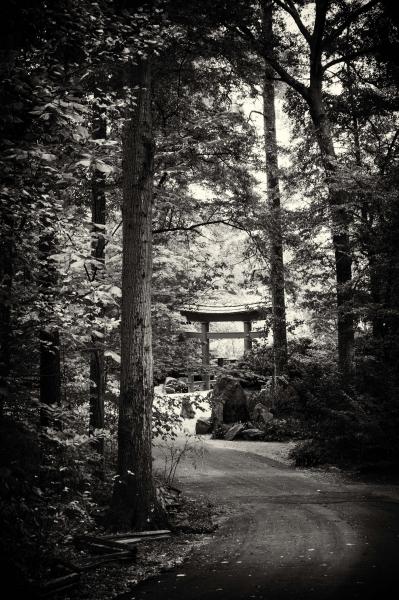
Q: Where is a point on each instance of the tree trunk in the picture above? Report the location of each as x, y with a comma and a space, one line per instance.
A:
98, 212
50, 373
6, 275
338, 202
49, 339
274, 200
134, 501
376, 281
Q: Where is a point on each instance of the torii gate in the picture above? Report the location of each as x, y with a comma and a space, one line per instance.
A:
208, 314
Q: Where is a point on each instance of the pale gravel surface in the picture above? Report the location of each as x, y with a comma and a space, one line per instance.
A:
278, 451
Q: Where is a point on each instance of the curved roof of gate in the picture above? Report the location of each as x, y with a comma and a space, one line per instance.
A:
238, 312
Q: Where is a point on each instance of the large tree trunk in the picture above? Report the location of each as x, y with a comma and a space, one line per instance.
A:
98, 215
274, 200
49, 338
338, 202
134, 501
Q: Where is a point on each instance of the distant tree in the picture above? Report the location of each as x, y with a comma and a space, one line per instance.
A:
98, 214
319, 51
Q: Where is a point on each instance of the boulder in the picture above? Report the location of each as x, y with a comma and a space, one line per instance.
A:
234, 431
260, 414
203, 426
187, 409
263, 397
229, 402
252, 434
277, 394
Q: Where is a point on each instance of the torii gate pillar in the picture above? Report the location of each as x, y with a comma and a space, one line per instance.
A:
205, 354
247, 338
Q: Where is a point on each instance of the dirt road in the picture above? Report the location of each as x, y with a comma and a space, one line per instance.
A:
291, 534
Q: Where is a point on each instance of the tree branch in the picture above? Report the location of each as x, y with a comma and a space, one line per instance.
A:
259, 48
349, 20
390, 151
291, 9
348, 57
197, 225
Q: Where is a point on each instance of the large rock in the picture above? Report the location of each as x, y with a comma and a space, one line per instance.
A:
260, 414
252, 434
263, 397
229, 402
203, 426
187, 409
277, 396
234, 431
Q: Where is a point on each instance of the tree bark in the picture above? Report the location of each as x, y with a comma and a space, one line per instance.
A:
6, 276
50, 373
338, 202
338, 196
376, 281
274, 200
98, 215
134, 501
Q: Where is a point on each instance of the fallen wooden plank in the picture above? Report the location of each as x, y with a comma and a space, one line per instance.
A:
100, 541
87, 565
137, 540
53, 586
149, 533
139, 534
121, 541
104, 546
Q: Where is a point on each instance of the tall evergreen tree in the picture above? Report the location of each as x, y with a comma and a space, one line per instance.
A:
134, 502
